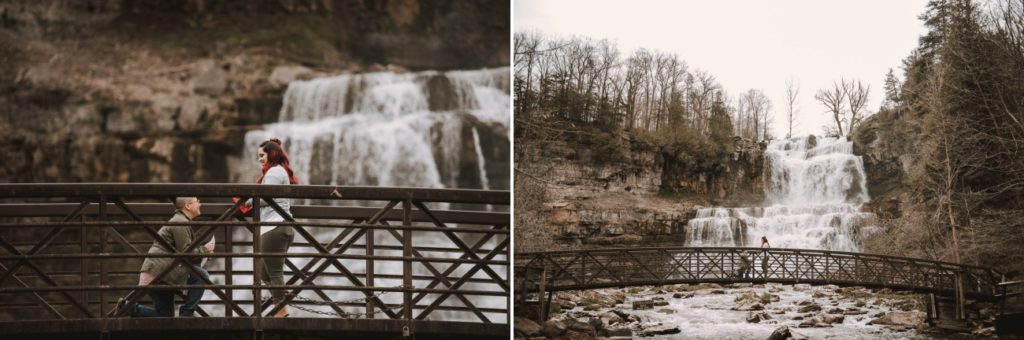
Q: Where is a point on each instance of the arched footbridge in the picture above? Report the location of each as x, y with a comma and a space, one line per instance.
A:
621, 267
951, 286
366, 262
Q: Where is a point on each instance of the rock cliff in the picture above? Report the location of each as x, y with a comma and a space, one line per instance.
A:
563, 193
164, 91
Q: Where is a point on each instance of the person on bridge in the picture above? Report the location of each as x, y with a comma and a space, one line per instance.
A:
276, 170
180, 237
745, 265
764, 255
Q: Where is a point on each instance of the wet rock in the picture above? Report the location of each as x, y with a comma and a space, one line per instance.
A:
835, 311
809, 308
748, 305
660, 330
526, 327
618, 332
667, 311
553, 328
581, 327
986, 331
822, 320
567, 305
854, 311
818, 295
755, 317
717, 291
784, 333
682, 296
900, 319
610, 318
661, 303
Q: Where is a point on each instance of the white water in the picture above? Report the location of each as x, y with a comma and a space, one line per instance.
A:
710, 316
379, 129
815, 188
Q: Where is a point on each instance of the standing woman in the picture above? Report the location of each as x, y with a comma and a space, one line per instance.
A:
764, 257
276, 170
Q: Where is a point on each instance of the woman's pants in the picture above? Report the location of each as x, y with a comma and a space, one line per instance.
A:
275, 241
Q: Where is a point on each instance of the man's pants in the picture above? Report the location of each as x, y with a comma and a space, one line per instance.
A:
163, 300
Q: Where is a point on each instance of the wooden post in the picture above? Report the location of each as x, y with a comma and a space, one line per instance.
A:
407, 263
369, 270
540, 298
103, 250
960, 300
257, 263
547, 304
228, 270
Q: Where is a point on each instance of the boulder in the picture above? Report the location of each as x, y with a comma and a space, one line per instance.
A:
619, 332
208, 78
900, 319
748, 305
282, 75
809, 308
581, 327
610, 318
667, 311
755, 317
784, 333
553, 328
526, 327
660, 330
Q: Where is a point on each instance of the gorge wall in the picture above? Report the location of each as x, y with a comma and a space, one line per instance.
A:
164, 91
563, 192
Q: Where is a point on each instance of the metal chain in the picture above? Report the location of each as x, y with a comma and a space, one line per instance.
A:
338, 303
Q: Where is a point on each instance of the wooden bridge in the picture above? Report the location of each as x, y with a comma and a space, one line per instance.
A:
366, 261
541, 272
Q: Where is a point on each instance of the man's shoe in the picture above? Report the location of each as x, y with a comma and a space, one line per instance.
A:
118, 307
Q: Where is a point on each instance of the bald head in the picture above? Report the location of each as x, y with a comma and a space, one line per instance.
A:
181, 202
188, 205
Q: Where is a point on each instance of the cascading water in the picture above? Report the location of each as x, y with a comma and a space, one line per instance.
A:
422, 129
816, 187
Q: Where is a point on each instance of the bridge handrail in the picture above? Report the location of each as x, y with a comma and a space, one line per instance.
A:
94, 208
521, 255
610, 267
337, 192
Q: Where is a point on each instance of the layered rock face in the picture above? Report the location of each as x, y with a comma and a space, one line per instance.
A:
621, 202
165, 91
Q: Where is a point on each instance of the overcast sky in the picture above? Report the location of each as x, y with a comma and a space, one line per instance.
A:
751, 44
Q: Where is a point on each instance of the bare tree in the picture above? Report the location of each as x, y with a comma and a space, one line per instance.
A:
833, 100
857, 98
792, 91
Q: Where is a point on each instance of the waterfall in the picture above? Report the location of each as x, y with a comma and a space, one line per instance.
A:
480, 156
423, 129
386, 129
815, 188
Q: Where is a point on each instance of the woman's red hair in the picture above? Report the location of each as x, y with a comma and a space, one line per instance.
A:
276, 156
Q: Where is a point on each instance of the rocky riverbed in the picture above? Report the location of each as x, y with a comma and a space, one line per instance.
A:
736, 311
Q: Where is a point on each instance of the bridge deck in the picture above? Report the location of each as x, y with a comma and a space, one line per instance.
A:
245, 328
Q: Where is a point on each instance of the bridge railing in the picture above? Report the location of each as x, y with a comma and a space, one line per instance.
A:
583, 269
71, 250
